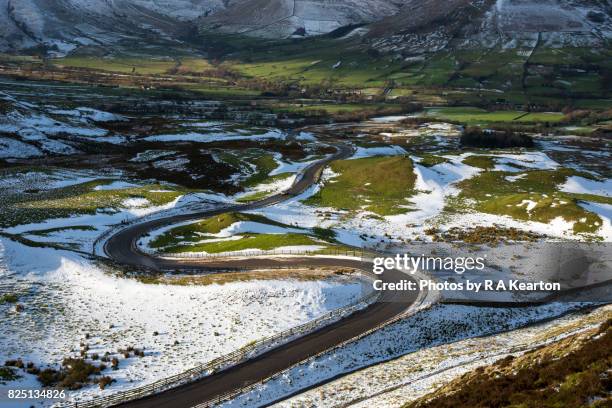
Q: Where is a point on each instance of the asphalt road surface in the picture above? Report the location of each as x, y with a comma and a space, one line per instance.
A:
122, 248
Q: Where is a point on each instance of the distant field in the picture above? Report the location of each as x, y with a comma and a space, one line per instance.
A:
320, 66
122, 65
474, 116
551, 77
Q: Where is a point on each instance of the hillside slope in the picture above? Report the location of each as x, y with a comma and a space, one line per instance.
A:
62, 25
573, 372
424, 26
284, 18
400, 26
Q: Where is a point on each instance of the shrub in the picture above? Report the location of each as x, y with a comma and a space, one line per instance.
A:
48, 377
9, 298
32, 369
325, 234
104, 381
14, 363
7, 374
73, 374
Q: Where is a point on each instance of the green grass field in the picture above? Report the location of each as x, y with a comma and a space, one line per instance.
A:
263, 190
381, 185
126, 65
481, 162
477, 116
242, 68
264, 166
255, 164
198, 230
264, 242
430, 160
193, 237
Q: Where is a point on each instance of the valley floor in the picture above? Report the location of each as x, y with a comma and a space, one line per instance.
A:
72, 173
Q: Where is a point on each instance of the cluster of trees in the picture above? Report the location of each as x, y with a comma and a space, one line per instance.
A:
477, 137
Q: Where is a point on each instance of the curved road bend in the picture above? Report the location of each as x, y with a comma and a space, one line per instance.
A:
122, 248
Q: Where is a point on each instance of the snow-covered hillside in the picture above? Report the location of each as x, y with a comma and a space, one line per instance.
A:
421, 25
283, 18
63, 25
403, 25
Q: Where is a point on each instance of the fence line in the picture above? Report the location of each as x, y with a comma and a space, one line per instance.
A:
354, 253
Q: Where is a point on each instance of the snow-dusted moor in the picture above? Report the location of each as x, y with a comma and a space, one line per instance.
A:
305, 204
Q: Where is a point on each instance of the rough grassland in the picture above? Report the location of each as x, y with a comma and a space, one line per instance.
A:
37, 206
381, 185
256, 163
481, 162
246, 276
532, 198
198, 237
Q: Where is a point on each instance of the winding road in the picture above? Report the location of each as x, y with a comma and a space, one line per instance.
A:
122, 248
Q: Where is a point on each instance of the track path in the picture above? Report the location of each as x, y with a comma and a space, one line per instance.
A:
122, 248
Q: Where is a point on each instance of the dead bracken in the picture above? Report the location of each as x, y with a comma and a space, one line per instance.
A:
483, 235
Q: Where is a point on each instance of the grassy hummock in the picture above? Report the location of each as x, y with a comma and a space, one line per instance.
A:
533, 197
209, 226
200, 236
381, 185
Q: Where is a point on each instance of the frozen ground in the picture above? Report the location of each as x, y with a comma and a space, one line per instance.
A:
441, 324
68, 300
